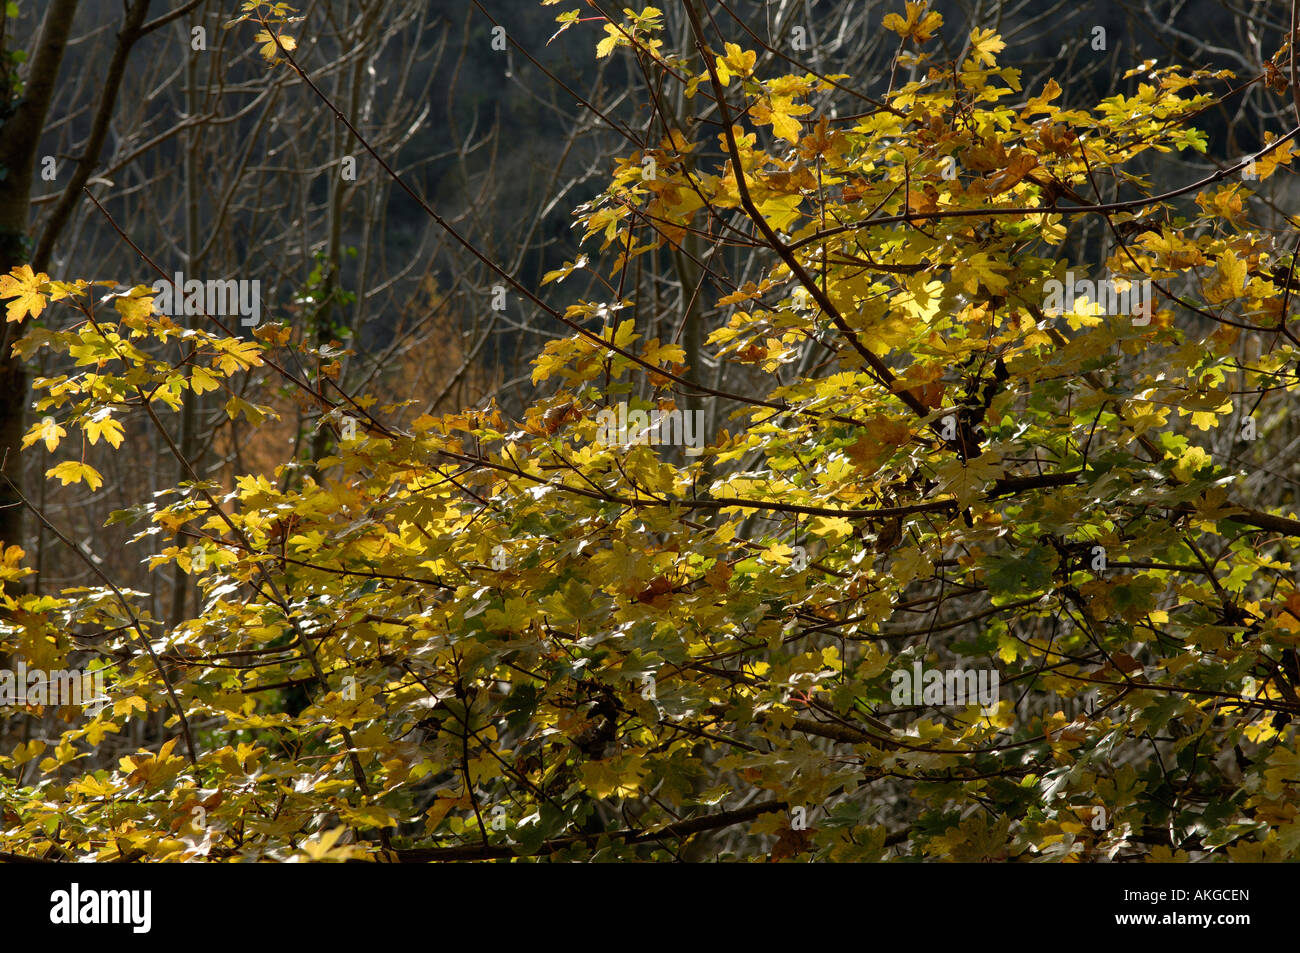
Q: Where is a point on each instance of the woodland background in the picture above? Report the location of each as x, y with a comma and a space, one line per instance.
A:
207, 153
218, 167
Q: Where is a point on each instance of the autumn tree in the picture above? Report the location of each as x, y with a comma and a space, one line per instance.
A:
976, 566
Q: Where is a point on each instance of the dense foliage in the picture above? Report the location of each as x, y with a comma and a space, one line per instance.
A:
474, 636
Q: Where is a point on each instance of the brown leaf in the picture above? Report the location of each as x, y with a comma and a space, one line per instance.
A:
1126, 663
557, 416
923, 200
657, 586
890, 535
791, 842
1057, 137
718, 575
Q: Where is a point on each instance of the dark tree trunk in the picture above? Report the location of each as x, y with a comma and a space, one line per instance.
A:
19, 138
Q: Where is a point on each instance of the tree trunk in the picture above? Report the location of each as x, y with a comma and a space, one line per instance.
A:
19, 137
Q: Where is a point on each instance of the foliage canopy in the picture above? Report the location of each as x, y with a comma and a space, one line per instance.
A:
516, 639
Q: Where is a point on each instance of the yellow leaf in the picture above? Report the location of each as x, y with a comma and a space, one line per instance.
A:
103, 425
1190, 462
1208, 419
782, 211
965, 480
125, 706
919, 25
780, 112
1266, 165
47, 430
25, 288
134, 308
93, 787
203, 380
740, 61
786, 126
71, 471
269, 49
608, 44
1039, 103
26, 752
737, 62
325, 847
831, 527
1229, 279
984, 44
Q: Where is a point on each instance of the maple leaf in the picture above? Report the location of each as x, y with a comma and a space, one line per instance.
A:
203, 380
48, 430
1229, 279
73, 471
613, 39
984, 47
1192, 460
102, 424
270, 51
24, 288
919, 25
965, 479
874, 445
1268, 163
134, 307
737, 62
